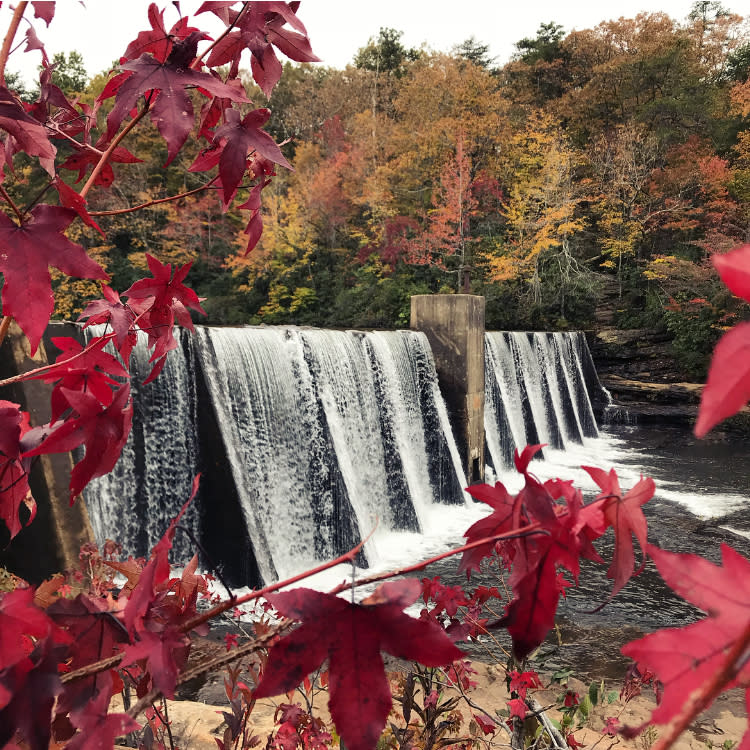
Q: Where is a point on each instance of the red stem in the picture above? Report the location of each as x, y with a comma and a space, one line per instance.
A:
155, 201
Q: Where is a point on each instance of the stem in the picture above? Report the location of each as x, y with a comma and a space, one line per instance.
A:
110, 149
701, 698
9, 201
523, 531
154, 202
9, 36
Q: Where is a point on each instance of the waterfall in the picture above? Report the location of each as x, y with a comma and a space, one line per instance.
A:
307, 439
135, 502
537, 390
310, 440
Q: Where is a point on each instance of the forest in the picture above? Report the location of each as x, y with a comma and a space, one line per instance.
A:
601, 166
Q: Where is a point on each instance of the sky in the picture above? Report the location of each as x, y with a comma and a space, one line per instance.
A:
338, 28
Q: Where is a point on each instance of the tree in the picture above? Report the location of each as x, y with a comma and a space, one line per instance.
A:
542, 212
69, 73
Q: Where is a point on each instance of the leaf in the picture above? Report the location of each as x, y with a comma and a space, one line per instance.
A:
257, 29
734, 269
80, 369
683, 659
168, 299
351, 636
88, 156
98, 728
243, 136
624, 515
111, 310
728, 386
70, 199
172, 110
14, 479
30, 649
30, 135
103, 432
44, 9
26, 251
157, 40
95, 631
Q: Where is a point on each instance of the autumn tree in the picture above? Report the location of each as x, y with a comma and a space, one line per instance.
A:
543, 214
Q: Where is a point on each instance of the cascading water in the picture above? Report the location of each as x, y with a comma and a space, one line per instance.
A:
536, 391
135, 502
323, 436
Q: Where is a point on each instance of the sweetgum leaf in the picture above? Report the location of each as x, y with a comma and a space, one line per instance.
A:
243, 136
26, 251
734, 269
172, 110
103, 432
14, 479
98, 728
623, 513
30, 135
728, 386
685, 658
352, 636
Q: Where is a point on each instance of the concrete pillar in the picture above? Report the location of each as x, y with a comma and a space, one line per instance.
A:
52, 541
454, 326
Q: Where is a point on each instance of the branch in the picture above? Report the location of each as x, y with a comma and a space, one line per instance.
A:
32, 374
9, 36
10, 202
215, 663
147, 204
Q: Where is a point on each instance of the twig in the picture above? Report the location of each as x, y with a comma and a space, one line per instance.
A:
155, 201
554, 734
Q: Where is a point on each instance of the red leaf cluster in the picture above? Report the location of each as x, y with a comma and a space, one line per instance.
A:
351, 637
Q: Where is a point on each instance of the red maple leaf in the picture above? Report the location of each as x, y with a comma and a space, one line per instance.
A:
30, 650
728, 386
171, 107
94, 631
103, 432
70, 199
683, 659
157, 40
76, 368
26, 252
44, 9
623, 513
351, 636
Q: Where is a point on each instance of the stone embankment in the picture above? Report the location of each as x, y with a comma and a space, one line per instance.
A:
636, 367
